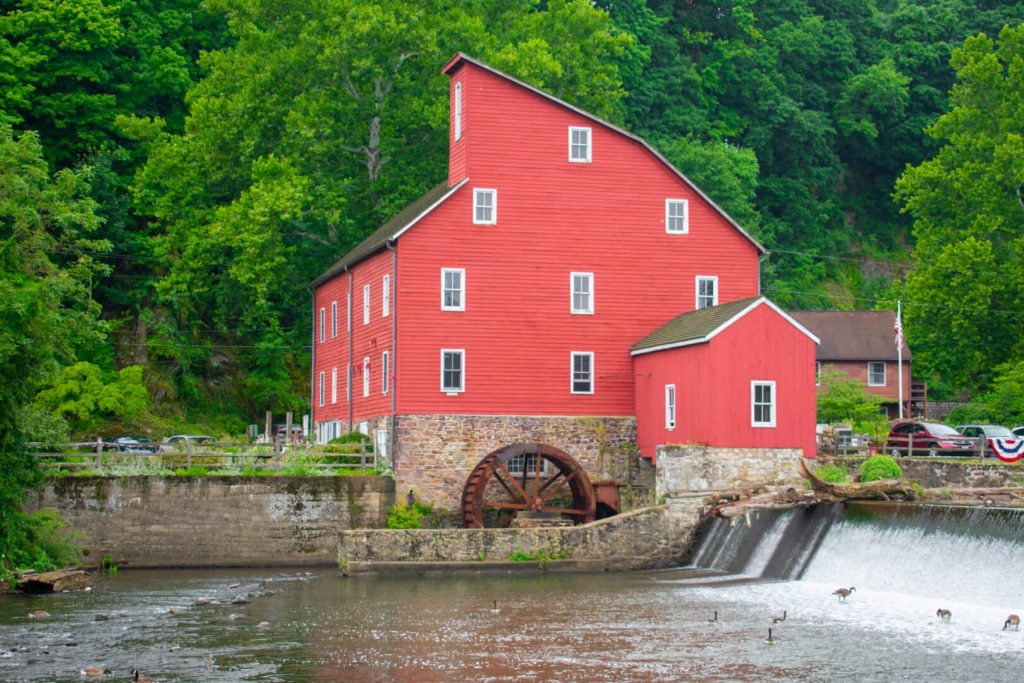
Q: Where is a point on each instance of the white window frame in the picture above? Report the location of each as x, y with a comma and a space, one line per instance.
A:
334, 385
366, 376
323, 324
385, 306
573, 146
462, 372
572, 371
589, 308
477, 194
773, 404
321, 401
817, 373
669, 218
385, 372
366, 304
334, 319
348, 300
700, 279
458, 110
876, 384
348, 382
461, 290
517, 463
670, 406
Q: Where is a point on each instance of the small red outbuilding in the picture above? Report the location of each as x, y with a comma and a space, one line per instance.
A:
738, 375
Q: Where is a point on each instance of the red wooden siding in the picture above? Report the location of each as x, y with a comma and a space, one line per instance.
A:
858, 370
458, 149
713, 395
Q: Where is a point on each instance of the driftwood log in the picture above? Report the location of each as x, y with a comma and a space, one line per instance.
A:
54, 582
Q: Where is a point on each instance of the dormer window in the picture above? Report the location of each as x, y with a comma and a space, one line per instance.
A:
579, 145
677, 218
458, 110
485, 207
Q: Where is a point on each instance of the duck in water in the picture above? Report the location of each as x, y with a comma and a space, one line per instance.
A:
944, 614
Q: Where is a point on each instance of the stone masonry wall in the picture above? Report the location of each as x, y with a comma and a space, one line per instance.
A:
216, 521
646, 538
435, 453
704, 468
932, 473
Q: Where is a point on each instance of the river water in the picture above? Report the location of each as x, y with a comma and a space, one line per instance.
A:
645, 626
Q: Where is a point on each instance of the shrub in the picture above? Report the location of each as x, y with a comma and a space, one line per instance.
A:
404, 516
880, 467
833, 474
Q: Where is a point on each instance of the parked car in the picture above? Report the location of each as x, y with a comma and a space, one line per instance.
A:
282, 429
1019, 431
134, 444
988, 432
182, 440
927, 438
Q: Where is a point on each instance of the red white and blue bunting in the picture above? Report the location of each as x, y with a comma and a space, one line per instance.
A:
1008, 450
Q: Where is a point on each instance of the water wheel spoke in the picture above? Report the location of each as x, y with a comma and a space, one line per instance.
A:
537, 459
506, 505
562, 484
519, 492
505, 486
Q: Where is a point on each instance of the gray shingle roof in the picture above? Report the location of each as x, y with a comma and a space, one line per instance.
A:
853, 335
693, 326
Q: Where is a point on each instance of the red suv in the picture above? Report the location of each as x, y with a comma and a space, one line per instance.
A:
927, 438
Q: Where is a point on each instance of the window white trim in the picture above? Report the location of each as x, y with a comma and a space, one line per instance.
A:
323, 318
321, 388
670, 406
334, 319
870, 373
703, 280
589, 355
451, 388
385, 372
461, 305
586, 296
385, 285
817, 373
334, 385
366, 304
580, 145
348, 317
366, 376
485, 212
677, 216
771, 403
458, 110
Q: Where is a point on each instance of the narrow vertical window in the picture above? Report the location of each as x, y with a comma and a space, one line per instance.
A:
453, 370
677, 216
384, 372
817, 373
386, 292
322, 326
348, 314
582, 286
485, 207
334, 319
334, 385
579, 144
366, 304
762, 404
582, 372
458, 110
707, 292
321, 392
670, 406
876, 374
453, 289
366, 377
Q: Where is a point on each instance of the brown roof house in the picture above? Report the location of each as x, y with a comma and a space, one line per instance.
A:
862, 344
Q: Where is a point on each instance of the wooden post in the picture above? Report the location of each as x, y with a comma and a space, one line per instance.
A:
188, 453
288, 427
99, 451
266, 431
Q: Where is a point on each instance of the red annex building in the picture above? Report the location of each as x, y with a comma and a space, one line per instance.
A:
504, 305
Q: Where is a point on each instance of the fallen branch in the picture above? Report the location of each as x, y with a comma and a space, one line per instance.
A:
883, 489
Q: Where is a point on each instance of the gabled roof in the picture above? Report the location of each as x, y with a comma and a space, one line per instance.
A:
699, 327
461, 57
853, 335
392, 229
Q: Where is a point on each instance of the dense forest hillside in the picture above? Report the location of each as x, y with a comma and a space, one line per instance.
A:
176, 171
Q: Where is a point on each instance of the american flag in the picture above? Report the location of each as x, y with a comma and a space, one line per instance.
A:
899, 330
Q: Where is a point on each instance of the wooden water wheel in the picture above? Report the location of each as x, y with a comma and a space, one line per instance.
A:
529, 476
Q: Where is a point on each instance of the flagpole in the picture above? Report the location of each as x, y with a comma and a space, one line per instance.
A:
899, 356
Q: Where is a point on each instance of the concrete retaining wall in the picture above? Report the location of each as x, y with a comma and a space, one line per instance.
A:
703, 468
216, 521
934, 473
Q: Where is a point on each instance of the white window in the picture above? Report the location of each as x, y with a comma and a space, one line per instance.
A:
384, 372
485, 207
348, 382
670, 406
453, 370
386, 296
582, 287
677, 216
579, 144
876, 373
366, 377
382, 443
322, 328
762, 404
707, 291
582, 372
321, 388
458, 110
334, 385
526, 461
348, 315
817, 373
453, 289
334, 319
366, 304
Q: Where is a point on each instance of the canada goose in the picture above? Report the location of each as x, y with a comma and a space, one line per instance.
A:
141, 679
39, 614
494, 607
779, 618
843, 593
1012, 620
714, 619
94, 671
944, 614
769, 640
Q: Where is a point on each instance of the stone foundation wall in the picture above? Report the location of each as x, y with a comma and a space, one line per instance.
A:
933, 473
704, 468
646, 538
435, 453
216, 521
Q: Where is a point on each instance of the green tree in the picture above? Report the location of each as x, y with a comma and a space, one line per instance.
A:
80, 395
846, 400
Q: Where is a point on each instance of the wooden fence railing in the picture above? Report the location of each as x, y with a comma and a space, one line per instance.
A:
968, 447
